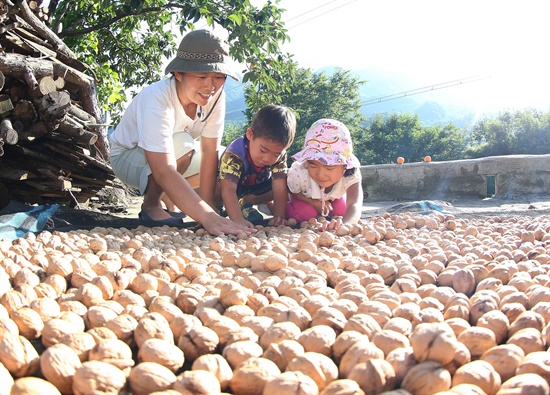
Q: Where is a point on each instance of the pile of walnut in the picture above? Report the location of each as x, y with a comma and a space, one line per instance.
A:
401, 304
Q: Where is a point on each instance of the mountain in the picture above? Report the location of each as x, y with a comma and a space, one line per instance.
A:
382, 93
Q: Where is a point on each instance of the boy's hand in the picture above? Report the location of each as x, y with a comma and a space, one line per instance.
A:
276, 221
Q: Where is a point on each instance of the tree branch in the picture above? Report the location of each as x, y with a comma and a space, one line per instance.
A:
109, 22
43, 30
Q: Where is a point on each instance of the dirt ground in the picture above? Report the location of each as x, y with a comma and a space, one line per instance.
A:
125, 214
121, 210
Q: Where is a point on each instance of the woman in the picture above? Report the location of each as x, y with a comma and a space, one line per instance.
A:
155, 147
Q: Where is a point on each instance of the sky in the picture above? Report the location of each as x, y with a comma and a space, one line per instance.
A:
502, 44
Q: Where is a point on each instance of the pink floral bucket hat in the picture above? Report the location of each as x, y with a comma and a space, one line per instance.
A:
329, 142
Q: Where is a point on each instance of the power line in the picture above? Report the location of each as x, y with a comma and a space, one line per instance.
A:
417, 91
308, 12
317, 16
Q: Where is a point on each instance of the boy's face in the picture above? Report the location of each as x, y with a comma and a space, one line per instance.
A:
263, 151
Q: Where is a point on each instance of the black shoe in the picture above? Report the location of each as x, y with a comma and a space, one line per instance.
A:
172, 221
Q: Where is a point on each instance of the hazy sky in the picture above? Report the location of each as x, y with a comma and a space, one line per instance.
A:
432, 41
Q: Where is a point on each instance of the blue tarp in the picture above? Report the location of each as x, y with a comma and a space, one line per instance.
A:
15, 225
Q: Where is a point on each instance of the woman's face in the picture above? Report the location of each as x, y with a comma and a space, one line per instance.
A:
325, 176
198, 88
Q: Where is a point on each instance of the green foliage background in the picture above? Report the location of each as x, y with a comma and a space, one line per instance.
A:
124, 43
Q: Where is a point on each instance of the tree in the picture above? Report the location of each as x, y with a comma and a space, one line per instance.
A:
403, 135
520, 132
124, 42
313, 96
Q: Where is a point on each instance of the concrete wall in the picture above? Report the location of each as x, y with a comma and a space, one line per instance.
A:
469, 178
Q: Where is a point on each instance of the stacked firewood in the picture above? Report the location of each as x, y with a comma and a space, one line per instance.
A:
53, 146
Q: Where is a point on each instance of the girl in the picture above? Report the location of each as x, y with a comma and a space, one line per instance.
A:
325, 178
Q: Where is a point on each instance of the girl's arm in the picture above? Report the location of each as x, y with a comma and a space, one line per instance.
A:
354, 204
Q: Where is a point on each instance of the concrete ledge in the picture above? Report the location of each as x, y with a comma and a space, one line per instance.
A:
469, 178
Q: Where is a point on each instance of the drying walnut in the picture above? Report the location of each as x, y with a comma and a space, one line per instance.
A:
388, 340
504, 358
525, 384
342, 387
147, 377
81, 343
319, 367
113, 351
401, 360
198, 341
152, 325
374, 376
95, 377
162, 352
318, 338
217, 365
33, 385
480, 373
537, 362
291, 383
238, 352
478, 340
529, 339
360, 351
58, 364
29, 322
427, 378
433, 341
18, 355
496, 321
279, 331
250, 377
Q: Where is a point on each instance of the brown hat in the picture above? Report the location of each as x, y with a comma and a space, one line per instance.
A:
201, 51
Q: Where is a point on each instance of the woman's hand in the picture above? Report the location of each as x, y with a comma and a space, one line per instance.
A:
216, 225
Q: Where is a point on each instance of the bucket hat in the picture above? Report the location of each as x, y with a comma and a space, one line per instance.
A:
202, 51
329, 142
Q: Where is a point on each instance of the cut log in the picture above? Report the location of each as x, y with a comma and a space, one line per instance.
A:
9, 173
31, 133
5, 105
54, 105
7, 132
24, 110
47, 85
72, 130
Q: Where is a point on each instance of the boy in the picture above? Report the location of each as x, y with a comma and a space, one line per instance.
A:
253, 167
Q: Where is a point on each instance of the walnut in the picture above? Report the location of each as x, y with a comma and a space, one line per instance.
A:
162, 352
18, 355
427, 378
251, 376
291, 383
58, 364
95, 377
480, 373
374, 376
147, 377
33, 385
217, 365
